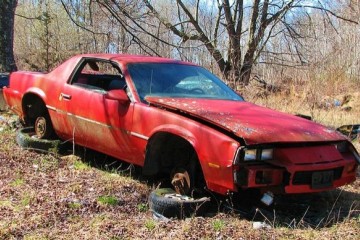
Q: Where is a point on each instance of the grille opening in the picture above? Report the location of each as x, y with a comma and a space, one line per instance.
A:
304, 178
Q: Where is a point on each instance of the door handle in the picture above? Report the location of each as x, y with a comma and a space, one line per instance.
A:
65, 96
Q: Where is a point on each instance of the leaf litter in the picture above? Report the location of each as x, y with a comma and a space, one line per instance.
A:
47, 196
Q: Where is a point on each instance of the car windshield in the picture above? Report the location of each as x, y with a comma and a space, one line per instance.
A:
178, 81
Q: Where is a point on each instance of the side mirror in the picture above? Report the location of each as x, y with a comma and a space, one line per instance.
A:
118, 94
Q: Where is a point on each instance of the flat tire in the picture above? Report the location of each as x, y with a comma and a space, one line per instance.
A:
167, 202
27, 139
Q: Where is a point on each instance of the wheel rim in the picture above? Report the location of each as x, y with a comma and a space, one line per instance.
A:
181, 181
178, 197
40, 127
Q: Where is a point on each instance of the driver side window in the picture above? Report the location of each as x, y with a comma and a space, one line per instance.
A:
99, 76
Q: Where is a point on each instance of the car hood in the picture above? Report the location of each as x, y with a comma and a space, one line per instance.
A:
255, 124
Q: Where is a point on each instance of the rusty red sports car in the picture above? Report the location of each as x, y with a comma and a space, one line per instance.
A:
176, 118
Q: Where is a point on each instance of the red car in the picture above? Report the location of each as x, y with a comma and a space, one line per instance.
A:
178, 119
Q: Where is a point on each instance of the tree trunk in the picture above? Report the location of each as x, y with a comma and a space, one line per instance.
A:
7, 15
245, 73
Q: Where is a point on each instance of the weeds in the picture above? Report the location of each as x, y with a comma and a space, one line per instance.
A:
74, 205
150, 224
108, 200
218, 225
17, 182
142, 207
79, 165
26, 200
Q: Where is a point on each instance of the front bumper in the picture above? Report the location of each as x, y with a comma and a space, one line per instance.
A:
297, 178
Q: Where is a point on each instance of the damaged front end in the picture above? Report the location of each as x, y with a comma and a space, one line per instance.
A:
297, 168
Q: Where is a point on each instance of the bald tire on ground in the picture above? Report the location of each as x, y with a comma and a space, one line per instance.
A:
162, 202
27, 139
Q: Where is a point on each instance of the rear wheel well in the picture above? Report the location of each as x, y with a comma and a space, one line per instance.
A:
33, 107
167, 152
37, 116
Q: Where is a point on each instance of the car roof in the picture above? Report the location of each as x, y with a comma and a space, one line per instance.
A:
129, 58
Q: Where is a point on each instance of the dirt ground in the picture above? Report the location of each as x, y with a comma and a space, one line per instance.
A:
92, 196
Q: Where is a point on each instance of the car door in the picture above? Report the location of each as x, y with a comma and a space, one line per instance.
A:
98, 122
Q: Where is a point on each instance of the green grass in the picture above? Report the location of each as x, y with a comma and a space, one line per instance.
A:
26, 200
218, 225
17, 182
107, 200
74, 205
142, 207
79, 165
150, 224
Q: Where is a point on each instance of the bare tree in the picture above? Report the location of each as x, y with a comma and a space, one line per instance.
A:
7, 12
45, 36
236, 37
248, 29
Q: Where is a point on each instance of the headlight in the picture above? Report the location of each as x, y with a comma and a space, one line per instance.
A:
258, 154
267, 154
342, 147
250, 154
345, 146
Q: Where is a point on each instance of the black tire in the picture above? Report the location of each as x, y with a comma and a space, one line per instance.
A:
166, 202
27, 139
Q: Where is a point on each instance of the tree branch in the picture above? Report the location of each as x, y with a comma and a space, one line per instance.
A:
203, 38
76, 23
229, 19
217, 24
167, 24
125, 27
283, 10
29, 18
326, 10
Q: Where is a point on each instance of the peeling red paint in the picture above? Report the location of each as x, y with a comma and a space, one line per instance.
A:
253, 123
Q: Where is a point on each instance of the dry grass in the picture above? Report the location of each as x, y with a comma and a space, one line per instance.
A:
48, 196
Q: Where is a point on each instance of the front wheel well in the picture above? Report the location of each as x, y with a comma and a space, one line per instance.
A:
166, 152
